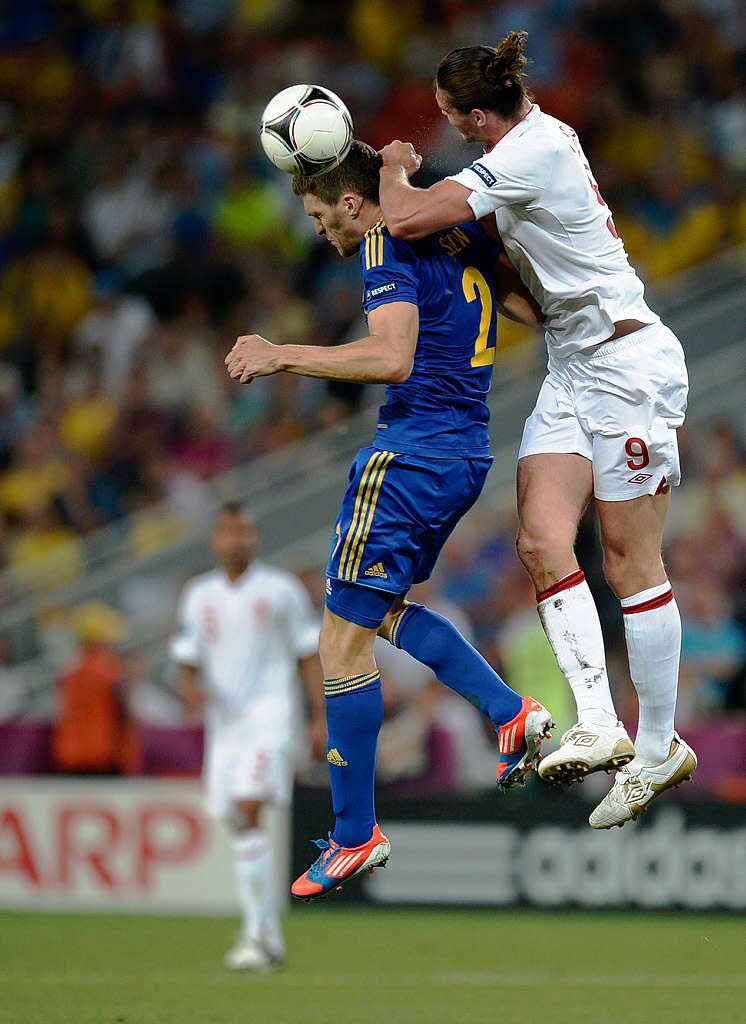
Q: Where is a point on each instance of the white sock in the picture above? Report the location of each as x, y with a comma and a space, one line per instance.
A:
570, 620
252, 858
652, 627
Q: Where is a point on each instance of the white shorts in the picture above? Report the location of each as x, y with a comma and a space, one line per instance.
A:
245, 760
618, 407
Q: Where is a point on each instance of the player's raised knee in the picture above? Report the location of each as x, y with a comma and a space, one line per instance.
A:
540, 551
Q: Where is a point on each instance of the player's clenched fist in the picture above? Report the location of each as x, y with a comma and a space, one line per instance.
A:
402, 154
251, 356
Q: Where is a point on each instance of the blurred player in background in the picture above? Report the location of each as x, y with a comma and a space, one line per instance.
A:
431, 311
244, 630
606, 417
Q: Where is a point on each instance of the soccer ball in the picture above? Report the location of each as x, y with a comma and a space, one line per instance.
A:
306, 129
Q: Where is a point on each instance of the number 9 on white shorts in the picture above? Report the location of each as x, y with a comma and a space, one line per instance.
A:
620, 407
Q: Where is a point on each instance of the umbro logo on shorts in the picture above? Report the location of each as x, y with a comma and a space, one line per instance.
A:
377, 570
334, 757
641, 478
328, 587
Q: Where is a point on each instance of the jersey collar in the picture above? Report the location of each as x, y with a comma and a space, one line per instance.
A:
240, 580
529, 113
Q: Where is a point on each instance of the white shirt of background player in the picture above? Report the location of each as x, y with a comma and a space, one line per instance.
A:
243, 631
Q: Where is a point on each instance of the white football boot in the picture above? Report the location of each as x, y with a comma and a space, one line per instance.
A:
585, 749
246, 955
635, 789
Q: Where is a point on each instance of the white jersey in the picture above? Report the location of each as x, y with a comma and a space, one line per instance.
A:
246, 638
558, 232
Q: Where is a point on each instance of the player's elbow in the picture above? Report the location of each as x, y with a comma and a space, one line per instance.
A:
397, 228
405, 228
398, 373
399, 367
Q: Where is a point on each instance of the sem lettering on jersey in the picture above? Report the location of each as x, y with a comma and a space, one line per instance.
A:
382, 289
486, 175
454, 241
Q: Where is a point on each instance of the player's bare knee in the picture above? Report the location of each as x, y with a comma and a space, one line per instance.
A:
540, 554
335, 637
343, 645
630, 571
326, 637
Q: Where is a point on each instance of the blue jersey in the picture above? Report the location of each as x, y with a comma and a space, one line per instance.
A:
441, 409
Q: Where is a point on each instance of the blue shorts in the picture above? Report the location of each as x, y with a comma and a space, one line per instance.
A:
397, 513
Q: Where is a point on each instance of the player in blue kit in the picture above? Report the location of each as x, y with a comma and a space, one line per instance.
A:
431, 308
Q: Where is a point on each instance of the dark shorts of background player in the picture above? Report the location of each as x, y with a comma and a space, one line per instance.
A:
397, 513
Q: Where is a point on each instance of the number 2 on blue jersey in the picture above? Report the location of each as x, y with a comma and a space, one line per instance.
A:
475, 287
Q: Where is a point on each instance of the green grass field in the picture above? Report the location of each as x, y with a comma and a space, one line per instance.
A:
358, 966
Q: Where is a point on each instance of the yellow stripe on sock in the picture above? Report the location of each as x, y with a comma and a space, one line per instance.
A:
348, 679
353, 684
336, 684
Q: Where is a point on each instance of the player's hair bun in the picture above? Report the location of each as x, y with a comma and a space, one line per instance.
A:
488, 77
506, 67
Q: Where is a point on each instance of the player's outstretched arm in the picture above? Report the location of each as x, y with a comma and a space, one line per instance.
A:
384, 357
411, 213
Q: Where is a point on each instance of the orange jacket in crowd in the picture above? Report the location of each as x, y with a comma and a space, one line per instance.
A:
92, 733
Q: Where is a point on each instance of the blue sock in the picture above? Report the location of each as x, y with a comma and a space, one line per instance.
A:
354, 713
435, 642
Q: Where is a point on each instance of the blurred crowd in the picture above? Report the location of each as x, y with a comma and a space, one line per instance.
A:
141, 229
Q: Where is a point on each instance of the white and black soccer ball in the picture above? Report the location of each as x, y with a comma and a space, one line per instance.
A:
306, 129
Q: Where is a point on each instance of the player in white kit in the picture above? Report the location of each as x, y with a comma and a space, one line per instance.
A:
243, 632
605, 420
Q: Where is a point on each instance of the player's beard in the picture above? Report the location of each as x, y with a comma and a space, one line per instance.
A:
346, 249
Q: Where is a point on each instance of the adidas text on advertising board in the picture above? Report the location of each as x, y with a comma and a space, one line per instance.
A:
664, 865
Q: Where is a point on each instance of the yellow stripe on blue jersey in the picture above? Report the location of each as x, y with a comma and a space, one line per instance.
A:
372, 463
374, 246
